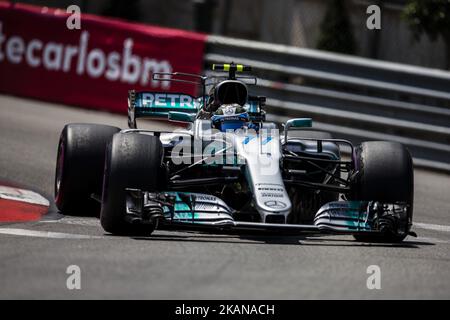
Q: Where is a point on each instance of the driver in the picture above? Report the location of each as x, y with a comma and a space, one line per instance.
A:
230, 117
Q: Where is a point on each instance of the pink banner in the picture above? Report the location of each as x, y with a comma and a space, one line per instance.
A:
95, 66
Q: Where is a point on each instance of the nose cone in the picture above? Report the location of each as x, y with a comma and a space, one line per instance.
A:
262, 155
274, 211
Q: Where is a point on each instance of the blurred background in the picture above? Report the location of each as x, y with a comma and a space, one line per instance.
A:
412, 31
312, 58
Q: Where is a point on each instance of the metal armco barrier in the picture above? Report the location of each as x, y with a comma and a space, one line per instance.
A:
352, 97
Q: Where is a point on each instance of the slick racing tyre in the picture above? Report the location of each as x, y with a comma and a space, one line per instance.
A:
306, 202
79, 167
386, 175
132, 161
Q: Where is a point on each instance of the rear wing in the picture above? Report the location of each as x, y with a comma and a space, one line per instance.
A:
184, 107
158, 105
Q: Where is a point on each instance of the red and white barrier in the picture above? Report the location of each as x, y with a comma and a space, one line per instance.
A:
19, 205
92, 67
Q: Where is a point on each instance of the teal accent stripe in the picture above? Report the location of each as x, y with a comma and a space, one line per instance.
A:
247, 139
267, 140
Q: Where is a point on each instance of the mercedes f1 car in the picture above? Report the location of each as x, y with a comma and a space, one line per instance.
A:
230, 169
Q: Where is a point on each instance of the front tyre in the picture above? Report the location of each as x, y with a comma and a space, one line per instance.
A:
386, 175
132, 161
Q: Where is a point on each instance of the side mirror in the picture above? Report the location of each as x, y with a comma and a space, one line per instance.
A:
296, 123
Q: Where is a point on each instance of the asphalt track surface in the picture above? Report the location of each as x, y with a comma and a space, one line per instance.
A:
34, 256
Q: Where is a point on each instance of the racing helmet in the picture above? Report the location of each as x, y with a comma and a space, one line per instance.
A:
230, 117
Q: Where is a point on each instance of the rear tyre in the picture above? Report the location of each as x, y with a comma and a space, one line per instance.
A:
385, 174
79, 167
132, 161
306, 202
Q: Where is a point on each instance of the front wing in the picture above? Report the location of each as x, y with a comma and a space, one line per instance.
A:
201, 211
